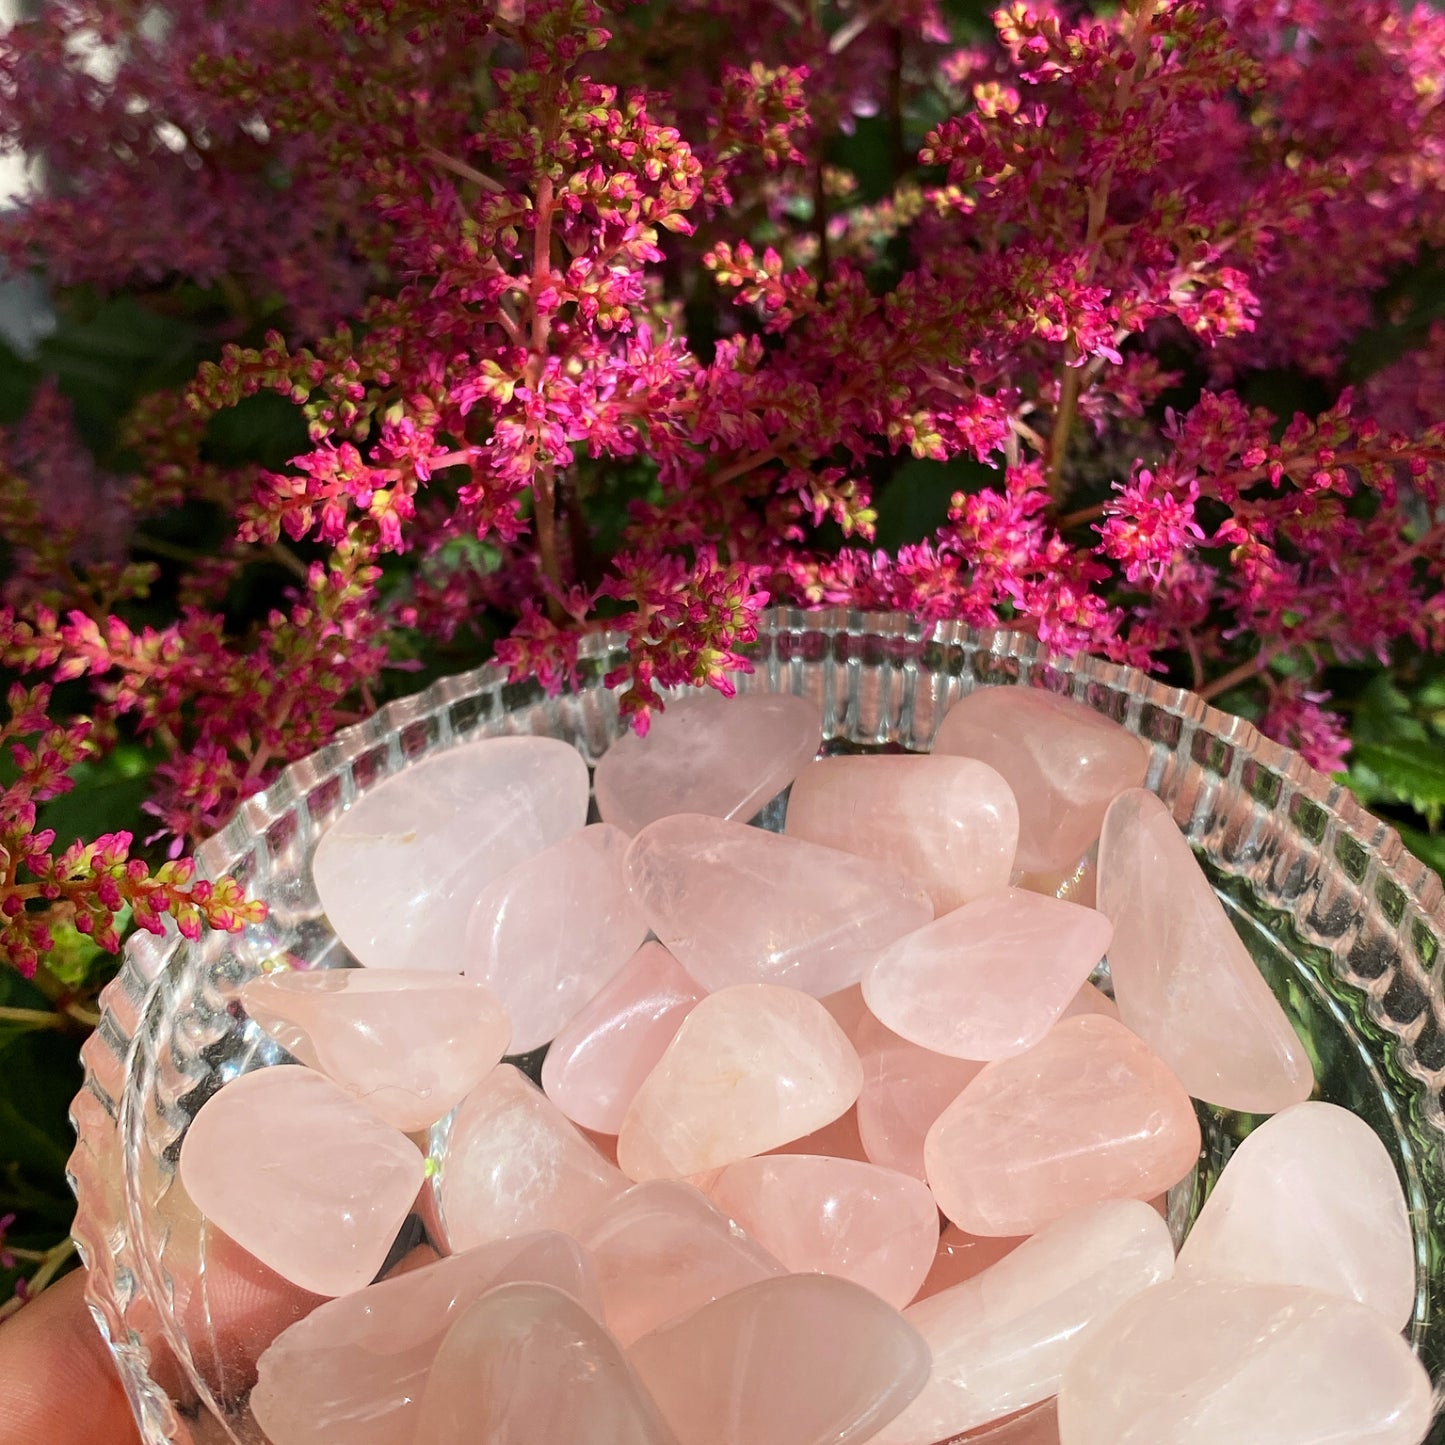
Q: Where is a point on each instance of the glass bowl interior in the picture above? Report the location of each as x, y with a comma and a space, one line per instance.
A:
1344, 924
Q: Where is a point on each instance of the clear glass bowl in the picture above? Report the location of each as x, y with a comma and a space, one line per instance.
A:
1344, 923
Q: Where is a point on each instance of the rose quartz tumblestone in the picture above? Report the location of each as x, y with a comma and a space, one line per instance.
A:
741, 905
961, 1256
549, 933
799, 1360
751, 1068
1064, 762
408, 1045
1077, 884
874, 1226
1001, 1341
1211, 1363
1183, 980
949, 824
352, 1372
990, 979
527, 1365
707, 754
1089, 1114
303, 1176
838, 1140
398, 872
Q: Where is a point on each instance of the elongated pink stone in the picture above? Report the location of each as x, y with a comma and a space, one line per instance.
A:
797, 1360
751, 1068
990, 979
1089, 1114
303, 1176
599, 1060
949, 824
725, 757
741, 905
1064, 762
352, 1372
408, 1045
1183, 980
398, 872
551, 932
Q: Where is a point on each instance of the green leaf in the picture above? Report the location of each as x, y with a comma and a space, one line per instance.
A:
915, 503
20, 993
1412, 770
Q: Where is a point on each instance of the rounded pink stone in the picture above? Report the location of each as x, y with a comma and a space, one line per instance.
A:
949, 824
1089, 1114
961, 1256
990, 979
751, 1068
303, 1176
1076, 884
408, 1045
599, 1060
874, 1226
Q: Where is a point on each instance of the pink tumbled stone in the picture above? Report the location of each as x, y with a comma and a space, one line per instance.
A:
549, 933
1079, 884
798, 1360
1210, 1363
741, 905
725, 757
352, 1372
990, 979
662, 1250
838, 1140
751, 1068
398, 872
599, 1060
527, 1365
1089, 1114
1064, 762
874, 1226
961, 1256
1183, 979
512, 1163
408, 1045
847, 1007
949, 824
1001, 1341
303, 1176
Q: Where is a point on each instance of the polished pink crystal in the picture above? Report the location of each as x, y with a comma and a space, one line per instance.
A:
949, 824
990, 979
797, 1360
409, 1045
874, 1226
707, 754
1064, 762
549, 933
1078, 884
847, 1007
741, 905
1089, 1114
303, 1176
1183, 980
961, 1256
838, 1140
751, 1067
398, 872
599, 1060
1213, 1363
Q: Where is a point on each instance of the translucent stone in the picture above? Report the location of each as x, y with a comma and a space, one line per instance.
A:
1001, 1341
751, 1068
949, 824
408, 1045
662, 1250
961, 1256
398, 872
1210, 1363
1312, 1198
1078, 884
990, 979
352, 1372
725, 757
847, 1007
874, 1226
513, 1163
549, 933
799, 1360
1183, 980
527, 1365
1089, 1114
303, 1176
741, 905
838, 1140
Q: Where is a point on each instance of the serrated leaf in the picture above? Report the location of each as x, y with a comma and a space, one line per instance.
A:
1407, 769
